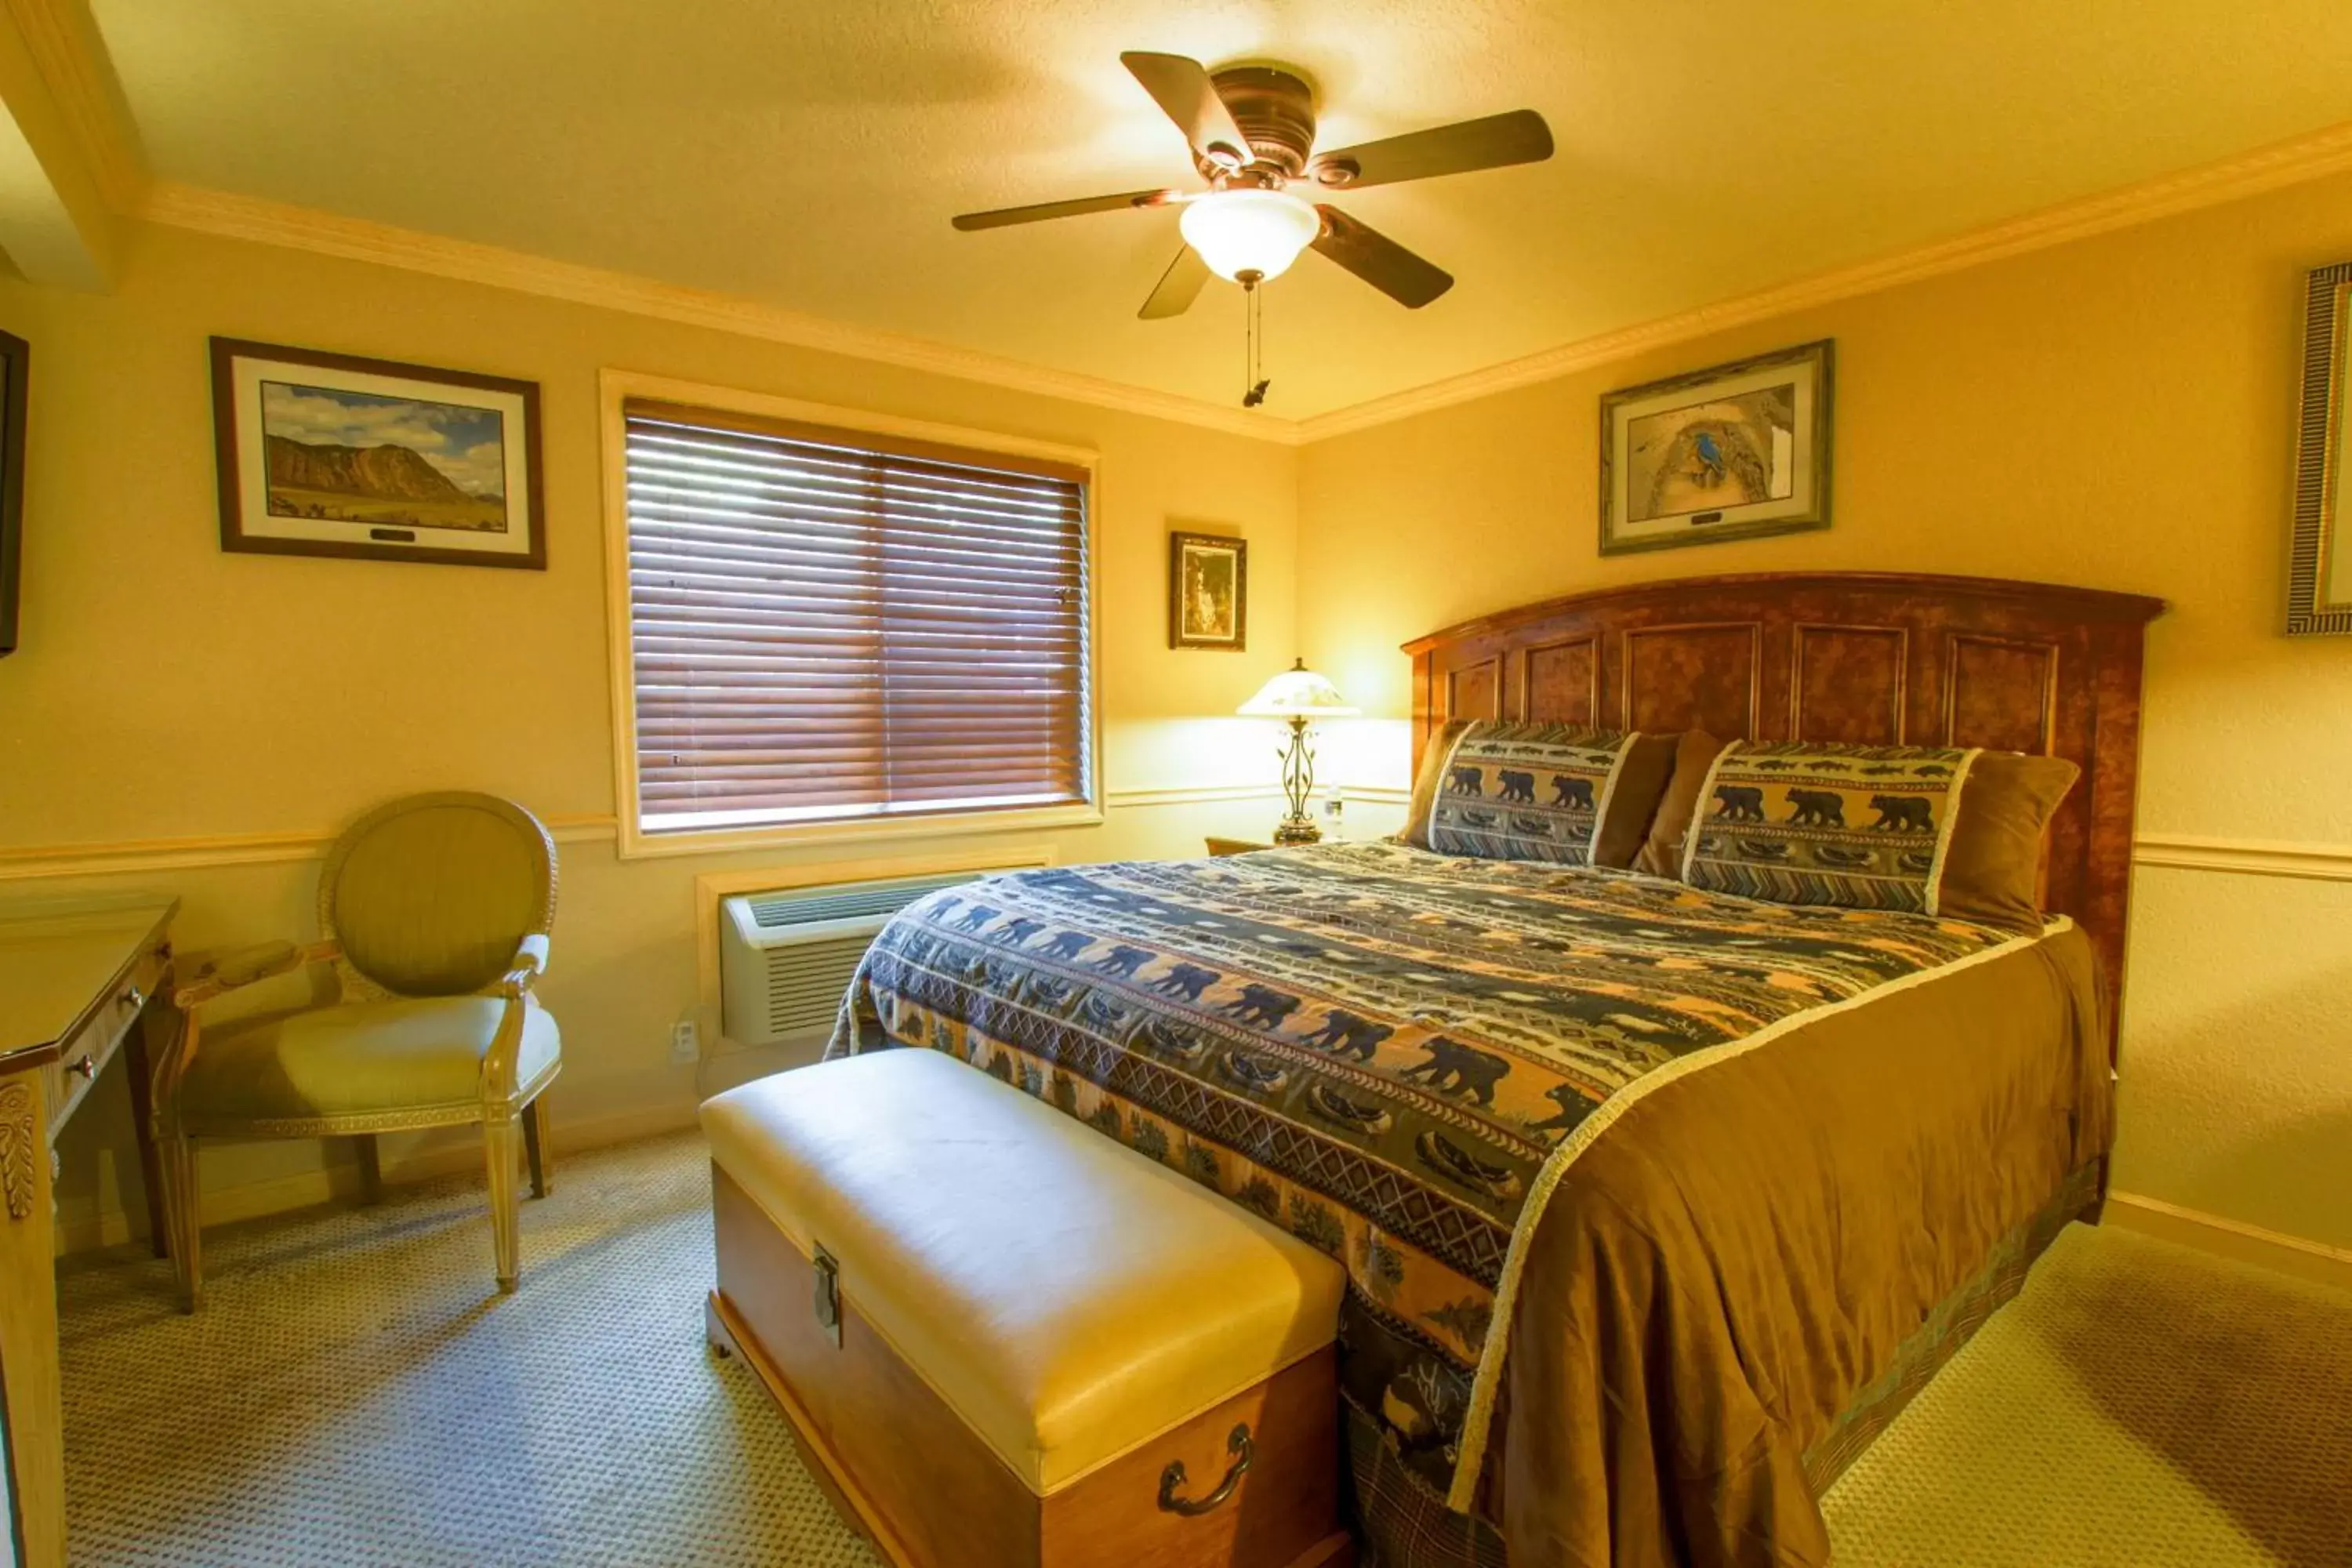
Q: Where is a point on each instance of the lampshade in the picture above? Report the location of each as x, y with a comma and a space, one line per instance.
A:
1249, 231
1297, 693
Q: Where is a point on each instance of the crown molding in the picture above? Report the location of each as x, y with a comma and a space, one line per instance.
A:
2288, 162
60, 36
70, 54
252, 219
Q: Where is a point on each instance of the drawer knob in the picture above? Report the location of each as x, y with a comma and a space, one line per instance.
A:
133, 998
84, 1066
1239, 1446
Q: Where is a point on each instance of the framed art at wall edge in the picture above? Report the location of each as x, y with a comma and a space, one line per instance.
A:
1735, 451
1208, 592
328, 454
2319, 557
16, 355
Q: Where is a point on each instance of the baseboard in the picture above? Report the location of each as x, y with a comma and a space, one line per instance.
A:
459, 1153
2313, 1260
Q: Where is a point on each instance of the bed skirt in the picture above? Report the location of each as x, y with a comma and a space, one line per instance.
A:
1401, 1521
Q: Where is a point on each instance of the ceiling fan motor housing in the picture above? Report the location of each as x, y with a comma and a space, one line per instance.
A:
1275, 109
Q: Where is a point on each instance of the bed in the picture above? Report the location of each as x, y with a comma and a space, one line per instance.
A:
1655, 1205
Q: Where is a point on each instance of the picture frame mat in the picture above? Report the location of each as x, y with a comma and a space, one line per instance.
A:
1803, 374
246, 374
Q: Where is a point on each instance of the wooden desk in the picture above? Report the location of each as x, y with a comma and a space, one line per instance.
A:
80, 984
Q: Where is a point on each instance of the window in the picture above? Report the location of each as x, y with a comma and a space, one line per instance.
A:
828, 624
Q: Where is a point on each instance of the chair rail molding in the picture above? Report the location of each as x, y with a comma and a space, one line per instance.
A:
35, 862
2244, 856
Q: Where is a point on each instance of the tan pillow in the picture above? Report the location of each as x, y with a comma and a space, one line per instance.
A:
1551, 792
1662, 848
1634, 805
1992, 872
1415, 831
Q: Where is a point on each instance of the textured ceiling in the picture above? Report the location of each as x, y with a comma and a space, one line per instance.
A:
809, 154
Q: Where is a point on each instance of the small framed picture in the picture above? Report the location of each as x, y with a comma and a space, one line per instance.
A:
1738, 451
324, 454
1208, 592
2319, 558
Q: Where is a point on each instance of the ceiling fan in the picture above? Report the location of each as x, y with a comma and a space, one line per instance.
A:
1252, 129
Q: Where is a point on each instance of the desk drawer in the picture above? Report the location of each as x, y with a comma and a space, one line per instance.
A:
88, 1049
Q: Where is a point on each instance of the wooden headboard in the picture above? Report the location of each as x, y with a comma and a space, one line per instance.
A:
1871, 658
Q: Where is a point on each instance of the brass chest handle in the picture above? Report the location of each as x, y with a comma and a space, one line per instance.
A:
828, 1295
1242, 1451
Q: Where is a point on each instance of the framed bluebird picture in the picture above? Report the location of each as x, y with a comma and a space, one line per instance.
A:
1736, 451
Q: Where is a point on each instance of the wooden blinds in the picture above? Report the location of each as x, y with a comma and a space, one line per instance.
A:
828, 624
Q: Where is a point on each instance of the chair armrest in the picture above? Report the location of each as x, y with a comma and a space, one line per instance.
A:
242, 966
529, 963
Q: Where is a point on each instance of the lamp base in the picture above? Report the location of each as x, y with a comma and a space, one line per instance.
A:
1297, 830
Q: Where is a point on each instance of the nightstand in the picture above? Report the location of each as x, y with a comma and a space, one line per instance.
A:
1234, 846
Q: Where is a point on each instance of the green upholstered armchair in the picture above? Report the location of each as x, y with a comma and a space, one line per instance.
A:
434, 913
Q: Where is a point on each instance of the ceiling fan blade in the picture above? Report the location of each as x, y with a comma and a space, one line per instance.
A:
1380, 260
1183, 89
1499, 140
1001, 216
1177, 286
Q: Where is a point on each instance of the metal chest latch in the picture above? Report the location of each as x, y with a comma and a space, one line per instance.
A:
828, 1295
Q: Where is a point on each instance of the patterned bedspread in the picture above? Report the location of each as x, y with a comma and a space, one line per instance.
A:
1374, 1046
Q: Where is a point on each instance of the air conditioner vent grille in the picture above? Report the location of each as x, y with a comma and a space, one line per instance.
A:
786, 954
850, 901
806, 983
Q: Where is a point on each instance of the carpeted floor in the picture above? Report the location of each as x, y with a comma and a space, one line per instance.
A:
354, 1393
2139, 1406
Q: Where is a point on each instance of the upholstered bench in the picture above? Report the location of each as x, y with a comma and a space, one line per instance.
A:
1003, 1338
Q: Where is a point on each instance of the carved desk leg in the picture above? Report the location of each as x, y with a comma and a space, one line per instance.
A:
28, 1323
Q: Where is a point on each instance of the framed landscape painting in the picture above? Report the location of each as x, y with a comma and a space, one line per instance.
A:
2319, 558
325, 454
1738, 451
1208, 592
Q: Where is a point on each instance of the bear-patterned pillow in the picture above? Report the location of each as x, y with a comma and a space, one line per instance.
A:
1528, 792
1864, 827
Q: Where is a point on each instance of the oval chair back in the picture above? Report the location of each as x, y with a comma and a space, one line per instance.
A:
429, 895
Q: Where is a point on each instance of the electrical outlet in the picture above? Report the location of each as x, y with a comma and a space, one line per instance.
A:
684, 1040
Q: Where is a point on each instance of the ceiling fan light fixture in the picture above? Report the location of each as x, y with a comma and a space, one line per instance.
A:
1252, 230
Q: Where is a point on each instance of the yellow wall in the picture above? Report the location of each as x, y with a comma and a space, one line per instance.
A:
165, 690
2118, 413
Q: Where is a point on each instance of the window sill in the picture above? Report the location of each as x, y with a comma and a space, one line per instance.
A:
636, 844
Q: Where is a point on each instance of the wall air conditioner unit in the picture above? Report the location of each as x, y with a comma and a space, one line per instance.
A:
785, 958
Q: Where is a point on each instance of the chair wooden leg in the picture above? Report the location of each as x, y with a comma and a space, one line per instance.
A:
371, 1168
501, 1136
182, 1213
538, 1152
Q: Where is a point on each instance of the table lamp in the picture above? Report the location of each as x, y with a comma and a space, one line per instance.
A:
1298, 694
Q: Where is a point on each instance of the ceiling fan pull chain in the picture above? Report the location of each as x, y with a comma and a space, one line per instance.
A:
1253, 342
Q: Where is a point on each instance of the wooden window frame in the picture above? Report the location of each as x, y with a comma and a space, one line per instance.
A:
617, 388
